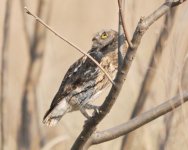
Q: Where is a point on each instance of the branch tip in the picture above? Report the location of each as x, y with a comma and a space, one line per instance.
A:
27, 11
70, 43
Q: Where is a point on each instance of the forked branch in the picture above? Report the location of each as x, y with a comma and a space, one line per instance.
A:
142, 27
135, 123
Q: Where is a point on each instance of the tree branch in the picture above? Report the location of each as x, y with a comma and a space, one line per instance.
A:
121, 14
122, 43
91, 123
150, 74
68, 42
152, 65
135, 123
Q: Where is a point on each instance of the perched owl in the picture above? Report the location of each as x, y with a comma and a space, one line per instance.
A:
84, 81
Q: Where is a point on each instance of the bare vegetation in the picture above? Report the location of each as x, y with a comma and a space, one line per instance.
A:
152, 76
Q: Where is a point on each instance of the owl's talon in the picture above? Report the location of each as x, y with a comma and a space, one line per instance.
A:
83, 111
96, 110
94, 107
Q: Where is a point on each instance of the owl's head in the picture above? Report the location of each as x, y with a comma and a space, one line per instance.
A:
105, 38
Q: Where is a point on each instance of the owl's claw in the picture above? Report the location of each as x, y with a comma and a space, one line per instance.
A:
89, 106
84, 112
96, 110
94, 107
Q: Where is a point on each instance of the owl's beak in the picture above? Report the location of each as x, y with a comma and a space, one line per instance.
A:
94, 39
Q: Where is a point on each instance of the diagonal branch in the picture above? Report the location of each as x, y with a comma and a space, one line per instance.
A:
135, 123
71, 44
150, 74
155, 56
142, 27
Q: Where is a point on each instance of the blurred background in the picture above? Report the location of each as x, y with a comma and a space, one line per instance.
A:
33, 62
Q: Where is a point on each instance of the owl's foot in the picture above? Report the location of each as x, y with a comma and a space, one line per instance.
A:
89, 106
94, 107
84, 112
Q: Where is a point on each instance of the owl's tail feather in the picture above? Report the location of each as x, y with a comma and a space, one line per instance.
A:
53, 115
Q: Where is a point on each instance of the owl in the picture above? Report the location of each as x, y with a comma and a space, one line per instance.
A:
84, 80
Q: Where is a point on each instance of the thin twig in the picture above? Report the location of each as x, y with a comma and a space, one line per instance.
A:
90, 125
123, 23
71, 44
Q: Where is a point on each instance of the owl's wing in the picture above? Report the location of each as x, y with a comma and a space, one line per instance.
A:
80, 76
78, 84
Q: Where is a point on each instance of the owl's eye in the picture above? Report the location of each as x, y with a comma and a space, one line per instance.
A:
104, 35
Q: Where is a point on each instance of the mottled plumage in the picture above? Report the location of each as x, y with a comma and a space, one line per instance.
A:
85, 81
